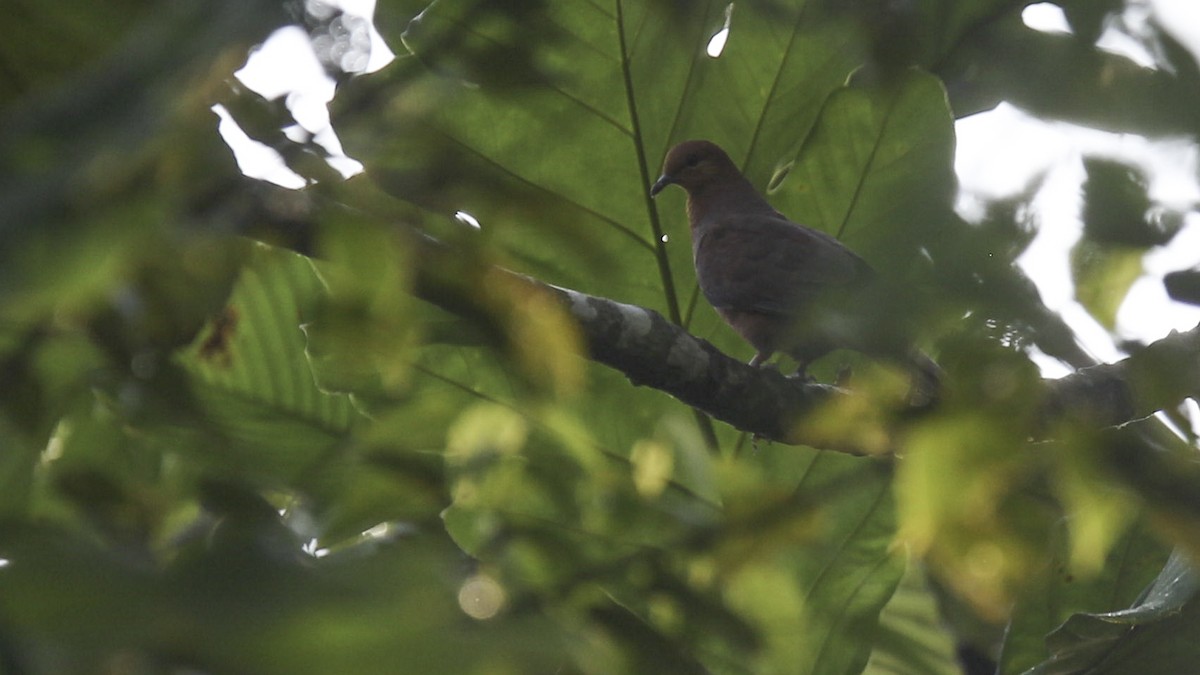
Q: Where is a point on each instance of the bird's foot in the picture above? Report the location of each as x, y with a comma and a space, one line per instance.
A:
802, 375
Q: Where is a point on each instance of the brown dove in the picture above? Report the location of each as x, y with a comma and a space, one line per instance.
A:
782, 286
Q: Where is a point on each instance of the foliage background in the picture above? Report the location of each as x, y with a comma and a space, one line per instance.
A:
233, 441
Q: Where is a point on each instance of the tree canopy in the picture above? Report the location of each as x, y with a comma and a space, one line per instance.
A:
466, 410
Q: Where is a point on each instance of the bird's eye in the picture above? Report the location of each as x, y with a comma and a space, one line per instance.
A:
692, 160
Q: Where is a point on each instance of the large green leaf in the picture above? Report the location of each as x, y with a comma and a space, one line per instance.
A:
878, 170
842, 577
252, 377
1131, 566
1148, 637
913, 638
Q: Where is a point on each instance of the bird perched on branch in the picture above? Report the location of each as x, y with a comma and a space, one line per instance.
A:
782, 286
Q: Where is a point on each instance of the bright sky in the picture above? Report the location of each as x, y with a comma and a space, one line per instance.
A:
998, 153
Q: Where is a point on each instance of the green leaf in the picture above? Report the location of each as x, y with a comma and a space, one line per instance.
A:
877, 171
811, 565
1130, 566
1103, 276
1146, 638
361, 338
250, 374
912, 638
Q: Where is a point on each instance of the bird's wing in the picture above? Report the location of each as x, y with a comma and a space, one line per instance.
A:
769, 264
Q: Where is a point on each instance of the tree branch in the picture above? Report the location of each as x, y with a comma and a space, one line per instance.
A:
654, 352
1157, 376
651, 351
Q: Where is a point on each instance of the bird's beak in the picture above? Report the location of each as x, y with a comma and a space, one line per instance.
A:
662, 182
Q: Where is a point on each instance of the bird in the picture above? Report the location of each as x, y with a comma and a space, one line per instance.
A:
784, 287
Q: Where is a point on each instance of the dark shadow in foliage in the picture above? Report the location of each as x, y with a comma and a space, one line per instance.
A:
1117, 209
1057, 76
1184, 286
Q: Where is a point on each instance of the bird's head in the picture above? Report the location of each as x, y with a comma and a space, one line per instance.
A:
694, 165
